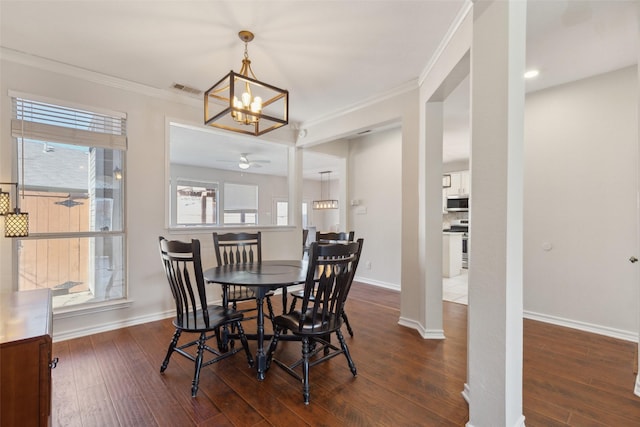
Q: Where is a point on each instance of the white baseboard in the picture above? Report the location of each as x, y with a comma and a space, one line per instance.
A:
636, 390
466, 393
82, 332
582, 326
429, 334
519, 422
391, 286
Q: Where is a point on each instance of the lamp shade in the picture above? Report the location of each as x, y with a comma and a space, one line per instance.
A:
16, 224
5, 203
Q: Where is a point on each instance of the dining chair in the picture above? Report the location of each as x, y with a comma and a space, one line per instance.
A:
324, 238
305, 237
183, 267
240, 248
328, 281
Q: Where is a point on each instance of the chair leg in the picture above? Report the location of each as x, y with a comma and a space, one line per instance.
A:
270, 310
230, 342
222, 337
346, 322
199, 357
245, 343
345, 350
305, 369
272, 345
293, 304
172, 346
285, 292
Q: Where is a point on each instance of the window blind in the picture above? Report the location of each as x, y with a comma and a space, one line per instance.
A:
240, 197
55, 123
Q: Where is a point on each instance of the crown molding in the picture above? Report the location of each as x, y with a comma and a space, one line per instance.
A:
453, 29
407, 87
45, 64
373, 100
283, 135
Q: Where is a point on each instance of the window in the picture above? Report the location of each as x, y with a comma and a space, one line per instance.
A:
282, 216
72, 162
282, 213
204, 158
196, 203
305, 214
240, 204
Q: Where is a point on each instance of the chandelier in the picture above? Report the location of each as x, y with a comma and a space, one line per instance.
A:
239, 102
327, 203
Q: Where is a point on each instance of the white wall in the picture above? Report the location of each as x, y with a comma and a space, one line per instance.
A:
146, 184
375, 179
581, 166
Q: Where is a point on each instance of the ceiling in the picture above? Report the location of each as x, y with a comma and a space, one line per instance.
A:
330, 55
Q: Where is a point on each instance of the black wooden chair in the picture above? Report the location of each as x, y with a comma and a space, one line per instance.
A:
183, 267
305, 237
328, 281
240, 248
324, 238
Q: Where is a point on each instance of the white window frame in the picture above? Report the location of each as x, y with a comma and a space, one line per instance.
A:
71, 127
175, 221
242, 206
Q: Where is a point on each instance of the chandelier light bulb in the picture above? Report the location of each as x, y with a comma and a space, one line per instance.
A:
246, 99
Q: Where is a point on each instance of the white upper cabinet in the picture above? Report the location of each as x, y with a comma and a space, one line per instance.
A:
460, 184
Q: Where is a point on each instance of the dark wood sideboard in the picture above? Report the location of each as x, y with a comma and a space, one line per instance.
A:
25, 358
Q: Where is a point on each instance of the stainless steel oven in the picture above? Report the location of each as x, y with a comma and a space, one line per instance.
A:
462, 226
465, 250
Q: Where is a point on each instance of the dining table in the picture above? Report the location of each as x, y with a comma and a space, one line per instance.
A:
263, 277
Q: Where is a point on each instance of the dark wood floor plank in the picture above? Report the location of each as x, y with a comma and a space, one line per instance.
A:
164, 407
65, 410
154, 340
570, 378
260, 396
233, 405
96, 408
84, 363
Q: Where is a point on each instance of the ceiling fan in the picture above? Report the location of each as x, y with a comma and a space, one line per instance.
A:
245, 163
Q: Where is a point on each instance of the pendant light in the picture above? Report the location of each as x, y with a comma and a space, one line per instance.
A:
327, 203
16, 223
239, 102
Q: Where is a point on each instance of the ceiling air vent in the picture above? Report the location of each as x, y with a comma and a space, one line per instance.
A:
186, 89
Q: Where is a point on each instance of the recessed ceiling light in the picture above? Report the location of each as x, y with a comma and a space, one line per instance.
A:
531, 74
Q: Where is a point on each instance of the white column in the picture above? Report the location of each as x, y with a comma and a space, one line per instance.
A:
431, 254
494, 388
637, 386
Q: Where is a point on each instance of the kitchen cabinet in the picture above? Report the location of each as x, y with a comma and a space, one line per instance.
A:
25, 351
460, 183
451, 254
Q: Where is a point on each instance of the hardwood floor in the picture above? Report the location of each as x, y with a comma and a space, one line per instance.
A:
112, 379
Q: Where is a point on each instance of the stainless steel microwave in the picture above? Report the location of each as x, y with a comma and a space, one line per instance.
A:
458, 203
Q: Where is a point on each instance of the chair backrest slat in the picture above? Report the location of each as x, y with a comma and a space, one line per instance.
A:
334, 237
332, 268
183, 268
237, 248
